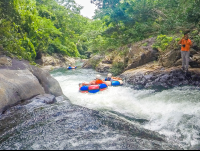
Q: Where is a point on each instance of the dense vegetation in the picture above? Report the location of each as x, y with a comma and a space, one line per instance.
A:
28, 27
134, 20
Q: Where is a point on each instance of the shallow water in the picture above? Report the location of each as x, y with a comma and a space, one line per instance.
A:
174, 112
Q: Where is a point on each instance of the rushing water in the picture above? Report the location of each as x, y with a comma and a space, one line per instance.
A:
174, 113
118, 118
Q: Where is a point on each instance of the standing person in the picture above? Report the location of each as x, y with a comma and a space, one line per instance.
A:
186, 43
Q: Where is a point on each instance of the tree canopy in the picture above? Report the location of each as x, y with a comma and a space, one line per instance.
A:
28, 27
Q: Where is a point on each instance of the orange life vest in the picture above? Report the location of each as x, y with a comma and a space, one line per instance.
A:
98, 81
187, 44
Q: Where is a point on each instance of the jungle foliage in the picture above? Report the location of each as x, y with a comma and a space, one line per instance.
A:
28, 27
129, 21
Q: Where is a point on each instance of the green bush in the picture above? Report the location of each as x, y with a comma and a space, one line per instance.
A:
117, 68
162, 42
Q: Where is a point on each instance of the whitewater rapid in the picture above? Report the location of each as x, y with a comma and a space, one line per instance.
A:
174, 113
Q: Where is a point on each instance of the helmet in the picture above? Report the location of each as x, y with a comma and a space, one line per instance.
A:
109, 75
69, 64
98, 76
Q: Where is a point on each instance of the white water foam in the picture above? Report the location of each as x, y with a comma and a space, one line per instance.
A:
174, 113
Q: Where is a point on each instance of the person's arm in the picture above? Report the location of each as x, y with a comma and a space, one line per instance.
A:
92, 82
180, 41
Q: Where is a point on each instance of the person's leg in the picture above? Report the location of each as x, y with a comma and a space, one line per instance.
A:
187, 59
183, 59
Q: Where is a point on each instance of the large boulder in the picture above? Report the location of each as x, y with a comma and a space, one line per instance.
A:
195, 60
155, 76
20, 81
93, 62
50, 85
170, 58
48, 62
141, 53
17, 85
108, 59
103, 67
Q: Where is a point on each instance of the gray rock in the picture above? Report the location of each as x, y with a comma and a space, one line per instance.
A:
46, 98
17, 85
103, 67
21, 81
50, 85
92, 62
169, 58
5, 61
167, 78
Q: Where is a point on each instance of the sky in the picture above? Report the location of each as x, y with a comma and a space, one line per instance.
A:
88, 8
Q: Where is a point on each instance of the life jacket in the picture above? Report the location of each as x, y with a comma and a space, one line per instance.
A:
187, 44
98, 81
108, 79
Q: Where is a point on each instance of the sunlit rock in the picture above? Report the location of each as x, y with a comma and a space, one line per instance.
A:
17, 85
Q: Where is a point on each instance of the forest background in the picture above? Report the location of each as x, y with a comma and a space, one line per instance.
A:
31, 27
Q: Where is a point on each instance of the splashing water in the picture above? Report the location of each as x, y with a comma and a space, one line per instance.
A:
174, 112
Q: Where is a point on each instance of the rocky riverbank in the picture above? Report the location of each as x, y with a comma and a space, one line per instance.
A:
49, 63
20, 81
143, 66
155, 76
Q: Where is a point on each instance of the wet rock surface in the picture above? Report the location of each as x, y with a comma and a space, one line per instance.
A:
158, 76
21, 81
72, 127
16, 86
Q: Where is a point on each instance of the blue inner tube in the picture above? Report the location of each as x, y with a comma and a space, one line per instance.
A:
115, 83
71, 68
102, 86
84, 88
93, 91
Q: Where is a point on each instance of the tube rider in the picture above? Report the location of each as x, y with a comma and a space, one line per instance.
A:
97, 80
70, 66
109, 77
93, 82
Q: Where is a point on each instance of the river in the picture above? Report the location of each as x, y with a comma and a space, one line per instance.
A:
173, 113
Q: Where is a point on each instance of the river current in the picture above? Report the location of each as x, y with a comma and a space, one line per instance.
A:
173, 113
